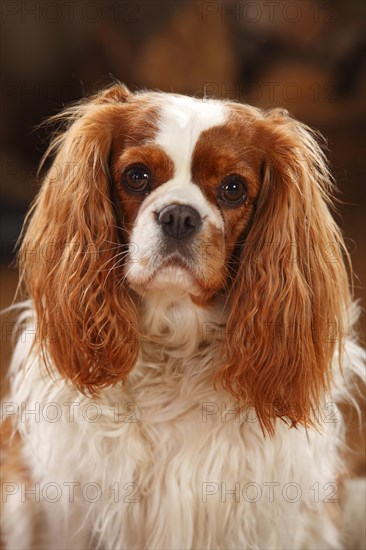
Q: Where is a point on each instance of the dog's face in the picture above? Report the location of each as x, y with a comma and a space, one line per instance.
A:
186, 185
151, 192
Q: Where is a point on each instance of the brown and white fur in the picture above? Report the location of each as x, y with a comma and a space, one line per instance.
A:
181, 350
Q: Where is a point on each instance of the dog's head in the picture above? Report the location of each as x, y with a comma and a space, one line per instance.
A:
151, 192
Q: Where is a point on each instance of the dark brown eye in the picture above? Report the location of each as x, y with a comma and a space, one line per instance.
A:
233, 190
136, 179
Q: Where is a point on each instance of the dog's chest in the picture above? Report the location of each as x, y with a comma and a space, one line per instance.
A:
168, 462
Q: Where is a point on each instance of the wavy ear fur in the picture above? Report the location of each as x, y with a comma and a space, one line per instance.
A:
291, 293
71, 259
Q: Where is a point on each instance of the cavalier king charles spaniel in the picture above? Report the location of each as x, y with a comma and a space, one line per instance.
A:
187, 338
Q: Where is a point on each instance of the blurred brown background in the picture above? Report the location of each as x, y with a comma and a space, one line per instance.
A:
307, 56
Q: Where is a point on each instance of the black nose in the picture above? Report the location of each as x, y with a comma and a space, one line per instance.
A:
179, 220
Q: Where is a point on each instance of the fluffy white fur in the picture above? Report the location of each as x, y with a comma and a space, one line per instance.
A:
169, 441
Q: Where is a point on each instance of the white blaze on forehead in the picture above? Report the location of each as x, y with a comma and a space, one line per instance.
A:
181, 122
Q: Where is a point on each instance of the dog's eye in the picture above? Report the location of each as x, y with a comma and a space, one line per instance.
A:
136, 178
233, 190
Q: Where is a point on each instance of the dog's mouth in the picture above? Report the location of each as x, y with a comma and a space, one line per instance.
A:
171, 272
174, 275
188, 269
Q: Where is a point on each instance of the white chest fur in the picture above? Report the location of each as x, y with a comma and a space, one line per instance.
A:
164, 461
167, 461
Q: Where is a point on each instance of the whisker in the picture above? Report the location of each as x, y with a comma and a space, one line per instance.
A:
119, 255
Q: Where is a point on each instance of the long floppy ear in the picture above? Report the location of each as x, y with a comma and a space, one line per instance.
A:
291, 293
71, 256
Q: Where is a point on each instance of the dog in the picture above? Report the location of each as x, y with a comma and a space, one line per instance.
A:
188, 334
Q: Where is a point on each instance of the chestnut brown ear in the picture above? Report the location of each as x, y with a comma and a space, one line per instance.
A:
291, 294
71, 258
